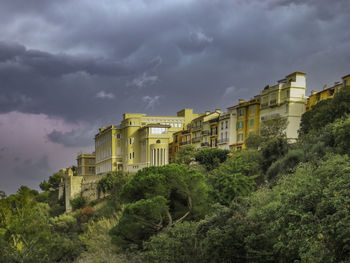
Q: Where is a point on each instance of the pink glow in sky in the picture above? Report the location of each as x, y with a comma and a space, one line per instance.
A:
27, 157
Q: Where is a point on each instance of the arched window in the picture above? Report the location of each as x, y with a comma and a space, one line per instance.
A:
158, 141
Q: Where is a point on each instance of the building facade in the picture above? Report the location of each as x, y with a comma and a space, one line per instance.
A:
86, 164
244, 122
326, 93
139, 141
285, 99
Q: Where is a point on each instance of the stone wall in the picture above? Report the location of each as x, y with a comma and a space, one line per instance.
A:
80, 185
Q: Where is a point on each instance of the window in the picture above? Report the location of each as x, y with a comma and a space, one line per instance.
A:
222, 135
222, 126
118, 135
158, 130
225, 135
133, 140
240, 125
133, 154
287, 108
130, 140
240, 137
130, 156
240, 112
226, 124
251, 122
252, 109
288, 93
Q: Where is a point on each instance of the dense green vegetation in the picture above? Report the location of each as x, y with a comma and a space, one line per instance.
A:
277, 201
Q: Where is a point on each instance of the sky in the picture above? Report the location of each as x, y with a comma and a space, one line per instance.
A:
69, 67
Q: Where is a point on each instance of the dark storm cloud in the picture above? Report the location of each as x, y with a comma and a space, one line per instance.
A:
74, 138
106, 57
33, 169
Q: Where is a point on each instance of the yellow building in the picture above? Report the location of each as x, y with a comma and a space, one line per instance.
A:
175, 145
246, 117
224, 131
285, 99
214, 132
139, 141
107, 149
326, 93
201, 129
85, 164
346, 81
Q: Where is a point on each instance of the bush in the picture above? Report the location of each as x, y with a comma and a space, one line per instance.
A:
78, 202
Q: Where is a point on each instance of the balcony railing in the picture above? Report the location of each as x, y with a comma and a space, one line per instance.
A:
184, 143
197, 139
205, 132
214, 133
273, 102
205, 144
196, 128
224, 140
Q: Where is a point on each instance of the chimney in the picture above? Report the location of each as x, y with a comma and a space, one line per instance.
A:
207, 112
241, 101
325, 87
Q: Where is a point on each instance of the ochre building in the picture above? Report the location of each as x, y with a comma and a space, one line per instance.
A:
139, 141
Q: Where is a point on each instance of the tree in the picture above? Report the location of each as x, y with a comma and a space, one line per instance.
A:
231, 179
326, 112
272, 150
176, 244
275, 127
140, 220
341, 133
185, 155
254, 141
112, 183
211, 158
158, 197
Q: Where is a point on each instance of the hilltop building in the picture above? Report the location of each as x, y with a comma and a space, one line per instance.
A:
85, 164
285, 99
139, 141
245, 121
326, 93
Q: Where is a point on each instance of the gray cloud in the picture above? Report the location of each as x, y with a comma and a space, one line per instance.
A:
151, 102
105, 95
143, 81
36, 170
74, 138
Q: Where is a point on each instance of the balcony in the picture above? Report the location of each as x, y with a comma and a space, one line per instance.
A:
197, 139
205, 132
273, 102
184, 143
205, 144
196, 128
214, 133
224, 140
